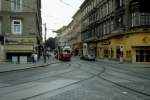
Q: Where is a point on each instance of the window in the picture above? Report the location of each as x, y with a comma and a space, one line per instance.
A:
0, 5
101, 12
135, 20
107, 9
16, 26
119, 22
16, 5
145, 19
110, 6
112, 25
120, 3
138, 19
104, 28
101, 30
104, 10
108, 27
95, 3
0, 26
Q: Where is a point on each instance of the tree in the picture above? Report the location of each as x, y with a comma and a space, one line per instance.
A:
50, 43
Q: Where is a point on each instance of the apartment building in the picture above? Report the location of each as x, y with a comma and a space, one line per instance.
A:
107, 25
76, 33
70, 35
20, 29
61, 36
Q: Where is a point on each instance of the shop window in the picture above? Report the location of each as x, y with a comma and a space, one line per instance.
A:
128, 53
118, 52
112, 53
147, 55
139, 55
106, 52
142, 55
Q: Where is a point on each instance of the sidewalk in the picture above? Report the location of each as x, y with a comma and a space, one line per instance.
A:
128, 64
13, 67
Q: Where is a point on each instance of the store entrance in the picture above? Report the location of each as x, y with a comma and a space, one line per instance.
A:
142, 55
106, 53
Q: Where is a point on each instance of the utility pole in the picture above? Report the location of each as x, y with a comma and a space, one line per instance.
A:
45, 43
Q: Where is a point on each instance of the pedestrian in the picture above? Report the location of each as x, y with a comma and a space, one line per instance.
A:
48, 54
121, 54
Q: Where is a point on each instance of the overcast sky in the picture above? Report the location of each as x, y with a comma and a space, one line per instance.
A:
56, 13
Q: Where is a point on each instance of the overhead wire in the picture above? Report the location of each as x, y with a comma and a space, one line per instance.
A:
46, 13
62, 1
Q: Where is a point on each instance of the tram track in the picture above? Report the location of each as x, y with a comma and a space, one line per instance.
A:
33, 80
102, 70
117, 84
129, 72
75, 83
126, 71
22, 71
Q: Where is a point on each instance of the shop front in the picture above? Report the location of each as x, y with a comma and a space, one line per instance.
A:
135, 46
92, 49
141, 54
18, 55
19, 49
77, 49
103, 49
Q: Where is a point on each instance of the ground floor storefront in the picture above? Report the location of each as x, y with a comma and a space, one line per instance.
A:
77, 49
135, 48
19, 49
18, 57
18, 53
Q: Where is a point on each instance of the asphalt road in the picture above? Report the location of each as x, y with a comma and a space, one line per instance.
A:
77, 80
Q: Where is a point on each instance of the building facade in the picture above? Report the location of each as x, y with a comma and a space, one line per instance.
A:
76, 33
61, 36
20, 29
107, 25
70, 35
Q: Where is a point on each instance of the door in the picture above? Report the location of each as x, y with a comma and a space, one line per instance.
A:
106, 52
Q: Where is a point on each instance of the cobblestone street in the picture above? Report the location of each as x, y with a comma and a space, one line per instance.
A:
77, 80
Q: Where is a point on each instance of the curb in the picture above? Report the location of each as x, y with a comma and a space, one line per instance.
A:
13, 70
124, 63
